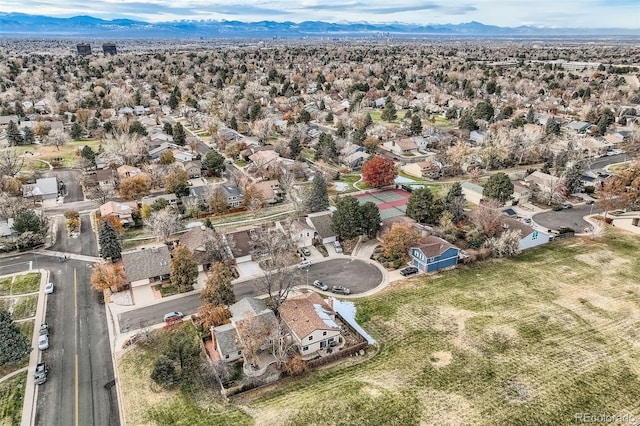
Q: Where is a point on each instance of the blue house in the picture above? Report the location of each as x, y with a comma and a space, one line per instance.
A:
433, 254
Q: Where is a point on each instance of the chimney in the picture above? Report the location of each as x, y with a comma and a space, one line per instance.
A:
424, 233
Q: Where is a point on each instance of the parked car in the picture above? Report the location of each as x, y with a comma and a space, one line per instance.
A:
40, 375
319, 284
306, 251
43, 342
557, 208
338, 289
589, 202
409, 271
337, 246
173, 316
567, 206
44, 329
304, 264
48, 288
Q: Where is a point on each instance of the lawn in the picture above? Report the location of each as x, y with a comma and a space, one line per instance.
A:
20, 284
25, 307
48, 153
440, 121
376, 116
28, 283
154, 405
530, 340
11, 399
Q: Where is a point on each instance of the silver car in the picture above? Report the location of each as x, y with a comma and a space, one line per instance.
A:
43, 342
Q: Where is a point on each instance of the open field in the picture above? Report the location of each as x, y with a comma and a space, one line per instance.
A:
11, 399
49, 153
376, 116
531, 340
20, 284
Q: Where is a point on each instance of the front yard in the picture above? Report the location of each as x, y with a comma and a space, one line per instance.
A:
11, 399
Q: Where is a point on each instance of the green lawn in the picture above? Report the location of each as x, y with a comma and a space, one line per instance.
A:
48, 153
440, 121
5, 286
376, 116
530, 340
11, 399
28, 283
26, 327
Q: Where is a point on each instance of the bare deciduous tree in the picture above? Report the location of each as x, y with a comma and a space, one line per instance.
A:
11, 162
164, 223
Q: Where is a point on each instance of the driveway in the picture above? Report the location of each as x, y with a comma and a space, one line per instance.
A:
602, 162
567, 218
71, 179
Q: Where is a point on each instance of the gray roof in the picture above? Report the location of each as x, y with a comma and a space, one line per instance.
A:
146, 263
226, 339
473, 187
322, 223
248, 306
232, 190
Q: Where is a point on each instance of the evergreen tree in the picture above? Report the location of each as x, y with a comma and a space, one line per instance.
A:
214, 162
164, 372
13, 134
179, 135
531, 116
14, 345
173, 101
341, 130
467, 122
76, 131
294, 147
389, 112
167, 129
28, 136
329, 117
553, 127
368, 121
416, 125
218, 289
499, 187
455, 202
304, 116
318, 198
423, 206
346, 221
326, 149
110, 247
26, 220
233, 123
88, 154
370, 219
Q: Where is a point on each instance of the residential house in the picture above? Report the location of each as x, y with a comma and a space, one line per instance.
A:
521, 194
6, 227
311, 323
196, 239
529, 237
543, 182
321, 222
155, 153
472, 192
182, 155
579, 126
433, 254
428, 169
269, 191
193, 168
404, 146
126, 171
240, 244
43, 189
300, 231
123, 211
355, 160
146, 265
233, 194
106, 179
150, 199
629, 221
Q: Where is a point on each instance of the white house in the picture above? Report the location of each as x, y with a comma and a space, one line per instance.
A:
529, 237
311, 322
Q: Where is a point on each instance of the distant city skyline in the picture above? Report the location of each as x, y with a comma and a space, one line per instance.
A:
506, 13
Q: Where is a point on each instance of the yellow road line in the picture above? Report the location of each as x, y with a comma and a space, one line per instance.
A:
76, 406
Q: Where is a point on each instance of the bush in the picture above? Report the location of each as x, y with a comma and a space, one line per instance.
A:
295, 366
164, 372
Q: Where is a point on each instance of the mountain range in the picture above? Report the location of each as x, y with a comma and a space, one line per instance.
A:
23, 25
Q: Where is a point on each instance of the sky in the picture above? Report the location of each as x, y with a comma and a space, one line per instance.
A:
548, 13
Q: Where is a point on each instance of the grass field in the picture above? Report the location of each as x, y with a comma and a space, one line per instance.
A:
49, 153
530, 340
11, 399
526, 341
376, 116
20, 284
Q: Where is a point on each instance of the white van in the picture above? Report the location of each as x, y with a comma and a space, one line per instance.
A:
337, 246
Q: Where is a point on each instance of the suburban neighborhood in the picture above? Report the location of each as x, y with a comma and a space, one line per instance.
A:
243, 223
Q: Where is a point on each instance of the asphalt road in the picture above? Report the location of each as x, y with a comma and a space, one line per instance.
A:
602, 162
569, 218
357, 275
79, 332
85, 244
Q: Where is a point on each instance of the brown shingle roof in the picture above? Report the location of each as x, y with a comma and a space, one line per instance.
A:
433, 246
304, 314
